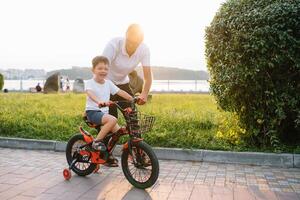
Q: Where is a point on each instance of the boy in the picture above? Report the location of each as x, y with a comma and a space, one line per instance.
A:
98, 90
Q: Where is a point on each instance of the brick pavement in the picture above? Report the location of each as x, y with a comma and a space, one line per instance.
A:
26, 174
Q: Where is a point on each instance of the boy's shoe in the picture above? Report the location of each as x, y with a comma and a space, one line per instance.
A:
98, 146
111, 161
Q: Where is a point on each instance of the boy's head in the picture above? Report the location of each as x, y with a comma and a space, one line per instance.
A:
99, 59
100, 66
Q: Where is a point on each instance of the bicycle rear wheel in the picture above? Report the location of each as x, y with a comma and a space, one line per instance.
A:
84, 166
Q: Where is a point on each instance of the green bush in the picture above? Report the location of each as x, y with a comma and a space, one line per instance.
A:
1, 81
252, 50
229, 129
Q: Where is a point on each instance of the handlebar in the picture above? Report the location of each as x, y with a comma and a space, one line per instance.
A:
110, 103
133, 101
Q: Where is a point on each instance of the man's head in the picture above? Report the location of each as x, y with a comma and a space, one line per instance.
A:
134, 37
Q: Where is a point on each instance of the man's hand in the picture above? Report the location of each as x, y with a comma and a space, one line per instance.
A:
142, 99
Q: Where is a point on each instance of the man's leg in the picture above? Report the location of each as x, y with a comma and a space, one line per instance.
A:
113, 109
114, 112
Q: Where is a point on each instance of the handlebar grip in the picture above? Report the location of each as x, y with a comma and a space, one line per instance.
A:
105, 104
110, 103
140, 101
136, 99
101, 105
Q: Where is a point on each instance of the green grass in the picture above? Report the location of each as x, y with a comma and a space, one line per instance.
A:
182, 120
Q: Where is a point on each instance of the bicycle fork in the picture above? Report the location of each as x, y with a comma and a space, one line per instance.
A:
129, 146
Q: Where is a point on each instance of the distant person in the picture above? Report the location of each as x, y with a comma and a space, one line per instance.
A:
124, 55
61, 84
38, 88
98, 90
67, 85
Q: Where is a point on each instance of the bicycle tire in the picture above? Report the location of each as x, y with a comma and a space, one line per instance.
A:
69, 157
154, 164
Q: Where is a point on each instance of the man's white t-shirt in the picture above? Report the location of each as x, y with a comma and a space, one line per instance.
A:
120, 62
102, 92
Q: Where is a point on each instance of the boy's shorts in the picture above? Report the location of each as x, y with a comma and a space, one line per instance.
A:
95, 116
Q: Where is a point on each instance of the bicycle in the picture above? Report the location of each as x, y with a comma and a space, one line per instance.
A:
139, 162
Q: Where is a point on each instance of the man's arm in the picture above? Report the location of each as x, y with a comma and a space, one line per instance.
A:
147, 83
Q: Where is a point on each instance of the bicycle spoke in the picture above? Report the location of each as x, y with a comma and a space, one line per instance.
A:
133, 168
139, 173
80, 165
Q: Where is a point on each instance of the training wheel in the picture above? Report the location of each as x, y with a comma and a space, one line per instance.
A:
97, 169
67, 174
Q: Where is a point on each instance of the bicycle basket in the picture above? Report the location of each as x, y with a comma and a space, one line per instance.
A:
141, 123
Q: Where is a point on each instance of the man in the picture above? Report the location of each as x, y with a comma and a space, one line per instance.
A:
124, 55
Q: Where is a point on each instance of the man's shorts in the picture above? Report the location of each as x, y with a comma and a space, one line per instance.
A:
95, 116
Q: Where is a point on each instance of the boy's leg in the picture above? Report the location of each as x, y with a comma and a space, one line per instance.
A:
115, 128
109, 122
112, 161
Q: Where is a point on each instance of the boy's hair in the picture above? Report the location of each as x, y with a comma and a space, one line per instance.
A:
99, 59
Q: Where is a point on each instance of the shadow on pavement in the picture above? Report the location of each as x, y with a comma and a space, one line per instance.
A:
137, 194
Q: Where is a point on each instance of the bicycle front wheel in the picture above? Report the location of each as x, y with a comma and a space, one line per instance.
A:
141, 168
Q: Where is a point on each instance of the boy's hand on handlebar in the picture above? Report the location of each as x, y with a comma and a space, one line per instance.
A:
104, 104
109, 103
101, 104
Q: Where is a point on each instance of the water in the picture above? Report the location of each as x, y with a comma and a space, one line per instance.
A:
180, 85
157, 85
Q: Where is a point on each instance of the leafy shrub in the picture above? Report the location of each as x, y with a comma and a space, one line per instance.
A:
252, 50
230, 130
1, 81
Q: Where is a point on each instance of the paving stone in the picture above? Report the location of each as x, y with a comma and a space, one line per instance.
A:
39, 176
262, 195
242, 193
21, 197
222, 193
287, 196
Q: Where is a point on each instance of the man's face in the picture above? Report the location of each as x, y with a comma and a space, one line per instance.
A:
133, 41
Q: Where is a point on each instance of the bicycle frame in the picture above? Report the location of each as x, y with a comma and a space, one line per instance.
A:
113, 137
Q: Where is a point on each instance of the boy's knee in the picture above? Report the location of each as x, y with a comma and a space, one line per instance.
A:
113, 119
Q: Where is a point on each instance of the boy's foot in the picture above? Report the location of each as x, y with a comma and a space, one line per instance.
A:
111, 161
99, 146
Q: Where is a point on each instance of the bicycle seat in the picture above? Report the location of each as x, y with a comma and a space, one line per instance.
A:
84, 131
86, 120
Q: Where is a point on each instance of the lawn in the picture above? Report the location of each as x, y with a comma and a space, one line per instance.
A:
182, 120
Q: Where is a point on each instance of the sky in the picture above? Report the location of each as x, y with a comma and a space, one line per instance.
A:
57, 34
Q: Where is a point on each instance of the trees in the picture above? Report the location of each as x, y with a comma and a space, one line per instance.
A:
253, 56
